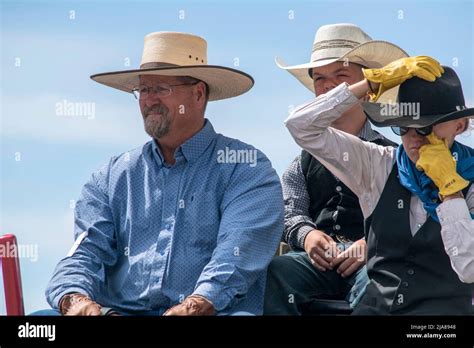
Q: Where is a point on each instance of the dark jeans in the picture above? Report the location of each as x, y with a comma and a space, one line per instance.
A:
293, 283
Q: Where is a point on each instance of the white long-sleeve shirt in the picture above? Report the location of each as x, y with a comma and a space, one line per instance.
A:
365, 167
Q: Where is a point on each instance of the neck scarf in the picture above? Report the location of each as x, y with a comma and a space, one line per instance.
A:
419, 183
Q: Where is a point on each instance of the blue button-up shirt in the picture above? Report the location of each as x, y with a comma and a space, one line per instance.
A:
148, 234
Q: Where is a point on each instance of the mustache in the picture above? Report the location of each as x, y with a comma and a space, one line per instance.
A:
156, 109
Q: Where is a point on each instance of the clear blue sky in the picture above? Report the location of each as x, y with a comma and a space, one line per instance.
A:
47, 58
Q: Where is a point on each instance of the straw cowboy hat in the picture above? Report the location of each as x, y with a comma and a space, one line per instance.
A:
179, 54
435, 102
345, 43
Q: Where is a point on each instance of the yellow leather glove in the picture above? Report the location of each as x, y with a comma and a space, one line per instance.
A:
438, 163
401, 70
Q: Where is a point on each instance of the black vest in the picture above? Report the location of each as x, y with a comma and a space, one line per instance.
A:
408, 274
334, 208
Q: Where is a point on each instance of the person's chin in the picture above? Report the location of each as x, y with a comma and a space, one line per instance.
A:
154, 116
412, 153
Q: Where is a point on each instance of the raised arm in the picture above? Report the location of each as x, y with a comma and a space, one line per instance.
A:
362, 166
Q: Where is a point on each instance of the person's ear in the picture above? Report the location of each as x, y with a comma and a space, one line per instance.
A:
461, 125
200, 92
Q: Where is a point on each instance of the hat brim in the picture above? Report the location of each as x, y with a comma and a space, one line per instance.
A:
377, 114
223, 82
373, 54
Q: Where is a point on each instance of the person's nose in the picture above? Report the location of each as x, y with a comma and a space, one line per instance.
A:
414, 136
412, 133
152, 99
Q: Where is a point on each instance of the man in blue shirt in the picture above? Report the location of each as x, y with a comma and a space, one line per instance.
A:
186, 224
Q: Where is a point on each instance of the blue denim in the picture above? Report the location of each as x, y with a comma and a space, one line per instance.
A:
293, 284
359, 281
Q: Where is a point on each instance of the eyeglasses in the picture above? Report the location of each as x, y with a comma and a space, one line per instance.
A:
421, 131
161, 90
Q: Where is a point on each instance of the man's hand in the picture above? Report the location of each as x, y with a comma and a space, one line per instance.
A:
321, 249
192, 305
351, 259
439, 165
78, 304
400, 70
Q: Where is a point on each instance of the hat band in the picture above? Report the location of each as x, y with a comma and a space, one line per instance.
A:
152, 65
324, 58
338, 43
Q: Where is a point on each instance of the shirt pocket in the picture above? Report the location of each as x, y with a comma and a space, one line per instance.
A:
202, 219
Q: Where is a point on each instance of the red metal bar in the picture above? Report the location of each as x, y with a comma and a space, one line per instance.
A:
11, 275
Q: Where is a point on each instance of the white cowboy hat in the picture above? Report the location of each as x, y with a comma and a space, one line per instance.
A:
179, 54
347, 43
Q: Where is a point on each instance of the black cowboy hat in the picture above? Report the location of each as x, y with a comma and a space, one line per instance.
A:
422, 103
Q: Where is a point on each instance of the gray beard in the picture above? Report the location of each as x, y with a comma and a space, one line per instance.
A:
157, 128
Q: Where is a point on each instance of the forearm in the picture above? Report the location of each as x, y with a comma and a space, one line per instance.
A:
82, 270
361, 88
235, 266
250, 230
296, 235
361, 166
324, 109
298, 223
240, 259
310, 126
70, 277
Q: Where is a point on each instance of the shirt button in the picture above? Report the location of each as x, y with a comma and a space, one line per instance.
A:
418, 225
337, 227
405, 284
338, 188
411, 271
337, 100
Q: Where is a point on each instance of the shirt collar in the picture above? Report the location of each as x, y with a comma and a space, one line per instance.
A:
192, 149
157, 153
368, 134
